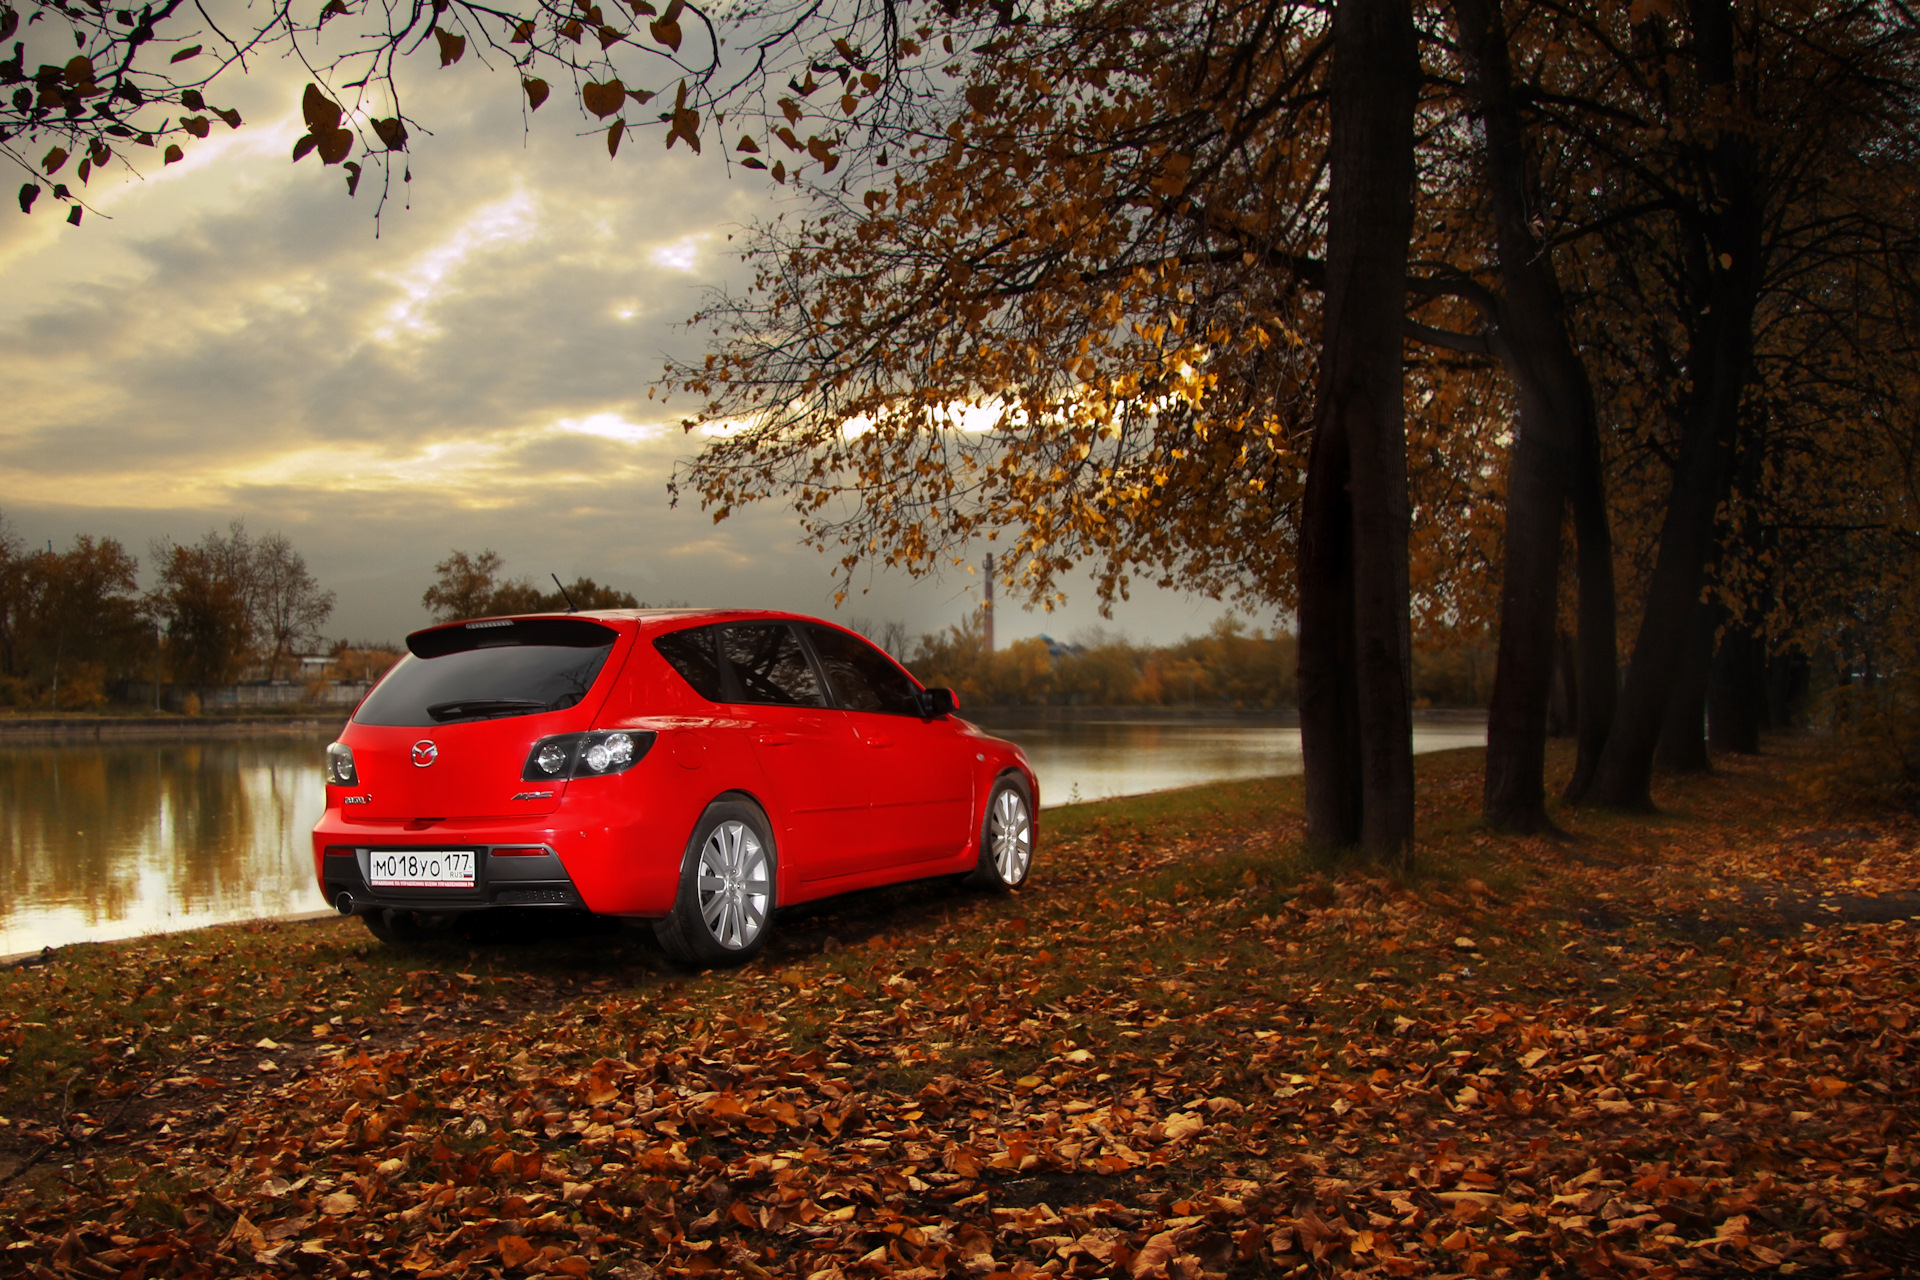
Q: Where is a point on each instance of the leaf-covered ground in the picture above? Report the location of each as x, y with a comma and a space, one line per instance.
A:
1681, 1044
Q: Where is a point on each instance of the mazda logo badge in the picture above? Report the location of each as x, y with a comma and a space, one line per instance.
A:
424, 753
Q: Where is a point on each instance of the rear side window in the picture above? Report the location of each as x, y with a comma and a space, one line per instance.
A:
490, 669
863, 678
769, 666
691, 653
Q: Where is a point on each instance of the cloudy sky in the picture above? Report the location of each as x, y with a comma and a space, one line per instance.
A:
230, 339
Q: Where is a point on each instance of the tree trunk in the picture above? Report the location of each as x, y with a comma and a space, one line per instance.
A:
1326, 681
1563, 698
1355, 669
1599, 645
1788, 675
1514, 798
1727, 229
1556, 427
1683, 730
1736, 706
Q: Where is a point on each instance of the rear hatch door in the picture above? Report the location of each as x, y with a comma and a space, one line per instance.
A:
447, 732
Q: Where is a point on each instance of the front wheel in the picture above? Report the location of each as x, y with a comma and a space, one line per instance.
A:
1006, 837
726, 894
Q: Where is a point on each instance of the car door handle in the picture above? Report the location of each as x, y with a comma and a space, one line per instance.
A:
879, 742
774, 740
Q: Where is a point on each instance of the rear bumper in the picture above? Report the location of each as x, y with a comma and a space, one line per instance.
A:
508, 876
611, 860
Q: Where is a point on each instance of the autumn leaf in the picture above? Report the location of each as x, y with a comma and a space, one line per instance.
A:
352, 169
614, 131
536, 93
522, 32
391, 132
54, 158
29, 192
603, 100
451, 46
335, 145
1154, 1256
321, 113
195, 125
191, 51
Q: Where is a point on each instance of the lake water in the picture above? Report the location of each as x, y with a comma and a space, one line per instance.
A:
106, 840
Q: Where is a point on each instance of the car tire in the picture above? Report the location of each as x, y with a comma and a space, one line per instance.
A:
404, 928
1006, 837
726, 900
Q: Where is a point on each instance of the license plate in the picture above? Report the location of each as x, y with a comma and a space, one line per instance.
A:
421, 868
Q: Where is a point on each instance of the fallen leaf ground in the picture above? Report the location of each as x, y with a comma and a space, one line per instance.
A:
1671, 1045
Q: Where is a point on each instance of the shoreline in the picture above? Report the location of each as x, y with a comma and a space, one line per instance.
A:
58, 729
1287, 716
54, 729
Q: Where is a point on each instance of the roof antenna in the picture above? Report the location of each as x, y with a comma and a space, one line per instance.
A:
563, 593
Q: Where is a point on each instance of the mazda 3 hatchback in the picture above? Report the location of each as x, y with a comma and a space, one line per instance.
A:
695, 768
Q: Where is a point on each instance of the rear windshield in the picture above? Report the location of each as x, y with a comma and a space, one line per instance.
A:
489, 670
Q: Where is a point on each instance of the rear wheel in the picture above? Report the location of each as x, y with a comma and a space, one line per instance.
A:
726, 894
1006, 837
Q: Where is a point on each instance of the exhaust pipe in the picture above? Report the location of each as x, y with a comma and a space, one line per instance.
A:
344, 903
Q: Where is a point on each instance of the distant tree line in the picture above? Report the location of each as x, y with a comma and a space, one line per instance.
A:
75, 627
1228, 667
469, 586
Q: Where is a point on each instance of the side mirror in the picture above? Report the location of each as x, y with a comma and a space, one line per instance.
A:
935, 703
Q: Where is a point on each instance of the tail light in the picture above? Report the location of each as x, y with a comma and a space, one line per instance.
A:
586, 755
340, 770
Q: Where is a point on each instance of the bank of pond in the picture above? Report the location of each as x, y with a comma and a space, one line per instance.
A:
116, 837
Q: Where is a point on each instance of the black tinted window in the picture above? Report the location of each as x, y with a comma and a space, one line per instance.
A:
484, 683
863, 678
769, 665
691, 654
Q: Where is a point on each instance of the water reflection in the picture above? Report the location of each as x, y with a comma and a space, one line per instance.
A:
104, 840
1095, 760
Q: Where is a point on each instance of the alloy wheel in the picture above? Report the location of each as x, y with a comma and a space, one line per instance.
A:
733, 885
1010, 832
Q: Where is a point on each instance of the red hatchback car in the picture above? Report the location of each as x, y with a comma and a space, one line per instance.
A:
696, 768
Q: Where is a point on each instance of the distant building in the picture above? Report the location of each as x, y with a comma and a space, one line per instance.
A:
1058, 649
